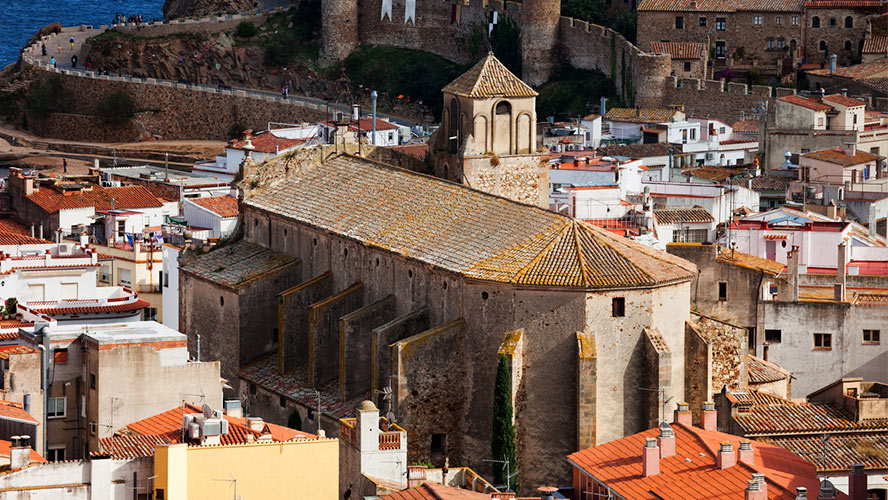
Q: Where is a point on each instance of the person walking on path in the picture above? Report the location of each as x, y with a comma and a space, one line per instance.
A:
52, 61
65, 165
59, 46
74, 61
43, 49
72, 43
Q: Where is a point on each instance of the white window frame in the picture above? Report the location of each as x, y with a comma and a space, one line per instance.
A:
795, 20
54, 448
53, 402
778, 20
757, 20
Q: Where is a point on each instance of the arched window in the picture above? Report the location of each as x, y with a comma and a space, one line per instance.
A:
847, 44
849, 22
815, 22
504, 108
822, 45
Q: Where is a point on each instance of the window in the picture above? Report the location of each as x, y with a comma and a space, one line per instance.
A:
772, 336
823, 341
60, 356
795, 20
150, 314
847, 44
757, 20
693, 134
438, 444
124, 277
92, 380
55, 407
253, 389
832, 21
504, 108
158, 494
720, 50
781, 43
690, 235
770, 43
121, 228
221, 300
618, 307
849, 22
823, 45
283, 402
687, 66
679, 22
871, 337
105, 277
721, 130
55, 453
69, 291
815, 22
703, 21
778, 20
721, 23
722, 291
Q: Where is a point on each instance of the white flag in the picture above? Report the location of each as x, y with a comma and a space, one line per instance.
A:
386, 9
410, 12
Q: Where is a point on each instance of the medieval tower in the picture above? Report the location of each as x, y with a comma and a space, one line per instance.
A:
339, 30
487, 139
539, 35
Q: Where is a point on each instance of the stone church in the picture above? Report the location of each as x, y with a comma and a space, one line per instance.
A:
353, 276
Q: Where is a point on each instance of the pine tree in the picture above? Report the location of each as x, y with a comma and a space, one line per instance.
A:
502, 440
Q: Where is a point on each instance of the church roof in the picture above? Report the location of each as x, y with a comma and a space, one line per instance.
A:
459, 229
489, 78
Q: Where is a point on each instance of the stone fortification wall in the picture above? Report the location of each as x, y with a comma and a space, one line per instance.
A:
716, 99
212, 24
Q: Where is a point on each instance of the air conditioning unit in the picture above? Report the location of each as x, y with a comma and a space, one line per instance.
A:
709, 156
194, 430
570, 147
65, 249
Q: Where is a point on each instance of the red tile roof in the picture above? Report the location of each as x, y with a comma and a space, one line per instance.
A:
679, 50
746, 126
102, 198
682, 215
5, 450
434, 491
721, 5
223, 206
838, 156
693, 472
876, 45
11, 410
138, 439
10, 238
841, 452
848, 102
866, 70
14, 226
129, 306
763, 372
266, 142
842, 3
806, 103
418, 151
7, 350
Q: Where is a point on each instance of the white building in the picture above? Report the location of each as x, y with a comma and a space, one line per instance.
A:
592, 130
387, 133
693, 225
218, 214
267, 144
170, 288
720, 200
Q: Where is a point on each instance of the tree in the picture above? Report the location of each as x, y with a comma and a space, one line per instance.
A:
116, 107
502, 440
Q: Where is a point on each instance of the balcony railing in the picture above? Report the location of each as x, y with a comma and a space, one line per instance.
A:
389, 441
155, 288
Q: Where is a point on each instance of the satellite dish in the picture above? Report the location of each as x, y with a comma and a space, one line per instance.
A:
207, 411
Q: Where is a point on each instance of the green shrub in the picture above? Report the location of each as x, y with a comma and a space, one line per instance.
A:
47, 97
574, 92
116, 107
246, 29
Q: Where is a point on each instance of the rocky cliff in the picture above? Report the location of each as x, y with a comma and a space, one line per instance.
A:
174, 9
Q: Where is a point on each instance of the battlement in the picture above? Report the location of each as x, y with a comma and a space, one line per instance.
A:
730, 87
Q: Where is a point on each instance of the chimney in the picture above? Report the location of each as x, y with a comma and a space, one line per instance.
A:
832, 63
29, 186
827, 491
19, 452
682, 414
255, 423
650, 459
416, 475
754, 491
40, 231
841, 272
356, 112
747, 456
763, 485
506, 495
666, 441
850, 148
547, 492
726, 456
857, 483
792, 265
708, 417
801, 493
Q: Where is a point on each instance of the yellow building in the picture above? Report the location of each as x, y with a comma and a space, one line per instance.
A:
259, 470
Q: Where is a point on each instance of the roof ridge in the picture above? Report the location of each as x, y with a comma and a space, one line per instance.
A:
534, 261
580, 257
604, 241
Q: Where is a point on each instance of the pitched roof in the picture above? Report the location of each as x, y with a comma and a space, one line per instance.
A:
848, 102
640, 150
721, 6
841, 452
878, 44
773, 416
838, 156
5, 450
679, 50
639, 115
8, 238
139, 439
461, 230
745, 126
866, 70
435, 491
489, 78
223, 206
842, 3
749, 261
692, 473
102, 198
682, 215
763, 372
805, 102
14, 411
266, 142
768, 182
84, 307
237, 264
8, 350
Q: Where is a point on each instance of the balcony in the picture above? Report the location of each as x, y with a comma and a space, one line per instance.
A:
389, 441
155, 288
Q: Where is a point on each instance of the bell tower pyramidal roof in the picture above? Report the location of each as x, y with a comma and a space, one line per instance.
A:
489, 78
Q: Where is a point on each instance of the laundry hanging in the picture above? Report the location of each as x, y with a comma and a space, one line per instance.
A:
386, 9
410, 12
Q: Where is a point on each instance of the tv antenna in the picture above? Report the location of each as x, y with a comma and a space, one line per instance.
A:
663, 400
509, 475
386, 394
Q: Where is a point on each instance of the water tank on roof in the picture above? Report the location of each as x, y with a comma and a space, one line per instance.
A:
211, 427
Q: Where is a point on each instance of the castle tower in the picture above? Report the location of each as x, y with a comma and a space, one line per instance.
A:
539, 35
487, 138
339, 30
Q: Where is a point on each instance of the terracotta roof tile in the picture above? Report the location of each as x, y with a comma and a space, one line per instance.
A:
763, 372
772, 182
682, 215
8, 409
693, 472
878, 44
489, 78
7, 238
461, 230
8, 350
745, 126
6, 446
842, 3
237, 264
839, 157
848, 102
223, 206
267, 142
805, 102
872, 69
139, 439
127, 306
749, 261
721, 6
773, 416
640, 150
434, 491
842, 452
679, 50
102, 198
418, 151
640, 115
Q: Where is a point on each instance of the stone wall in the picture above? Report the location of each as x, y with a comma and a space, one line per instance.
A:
841, 41
197, 26
716, 99
356, 346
